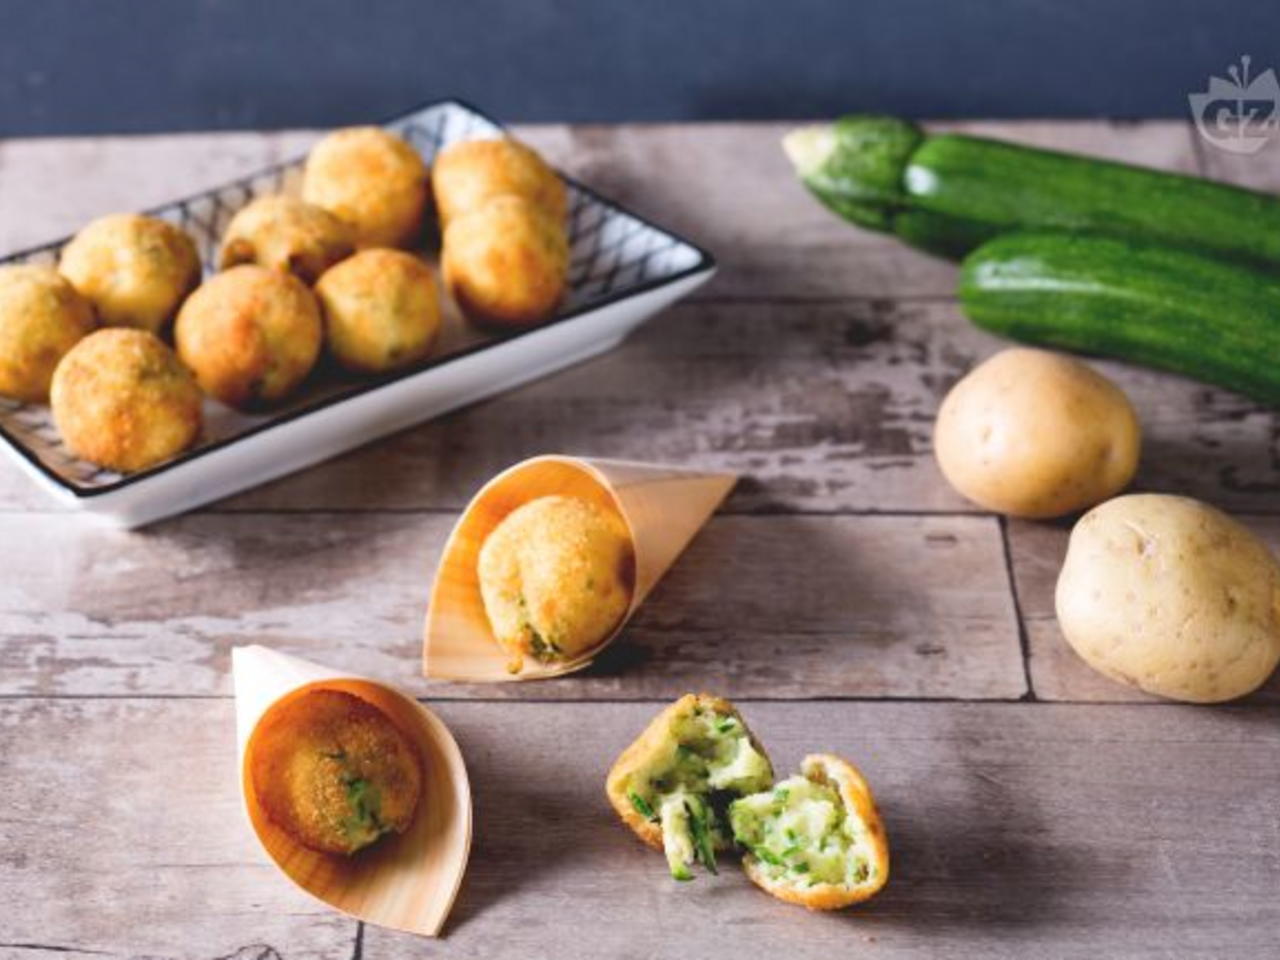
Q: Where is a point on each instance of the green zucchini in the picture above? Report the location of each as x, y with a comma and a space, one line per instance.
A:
1150, 304
949, 193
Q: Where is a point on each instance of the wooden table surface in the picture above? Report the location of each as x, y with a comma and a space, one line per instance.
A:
844, 596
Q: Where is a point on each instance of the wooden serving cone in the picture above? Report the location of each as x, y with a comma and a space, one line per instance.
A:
663, 508
406, 881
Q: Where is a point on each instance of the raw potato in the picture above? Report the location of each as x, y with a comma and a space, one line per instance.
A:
1035, 434
1172, 596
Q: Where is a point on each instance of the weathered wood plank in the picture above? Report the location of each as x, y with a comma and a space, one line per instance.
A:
51, 187
743, 375
121, 834
725, 184
1036, 552
821, 407
1017, 830
773, 606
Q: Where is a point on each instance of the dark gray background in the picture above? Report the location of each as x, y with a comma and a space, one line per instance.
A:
90, 66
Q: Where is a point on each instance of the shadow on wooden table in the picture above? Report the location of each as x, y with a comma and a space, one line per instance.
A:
986, 859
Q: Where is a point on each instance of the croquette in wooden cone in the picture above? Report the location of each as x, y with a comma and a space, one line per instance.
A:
663, 507
405, 882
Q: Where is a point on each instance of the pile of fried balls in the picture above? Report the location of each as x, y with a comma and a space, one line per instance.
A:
123, 337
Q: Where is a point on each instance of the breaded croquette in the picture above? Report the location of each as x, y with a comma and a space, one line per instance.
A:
283, 233
333, 771
135, 270
122, 400
556, 577
372, 179
41, 318
250, 335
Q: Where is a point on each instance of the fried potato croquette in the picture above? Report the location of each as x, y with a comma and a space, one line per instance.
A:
673, 786
381, 310
41, 318
123, 401
816, 838
373, 180
334, 772
250, 335
286, 234
506, 263
467, 175
135, 270
556, 576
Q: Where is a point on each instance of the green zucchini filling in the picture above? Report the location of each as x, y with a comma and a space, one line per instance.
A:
710, 761
802, 833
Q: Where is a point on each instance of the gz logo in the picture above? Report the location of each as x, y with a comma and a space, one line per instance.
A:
1238, 115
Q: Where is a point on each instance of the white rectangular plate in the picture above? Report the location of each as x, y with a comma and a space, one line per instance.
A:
623, 270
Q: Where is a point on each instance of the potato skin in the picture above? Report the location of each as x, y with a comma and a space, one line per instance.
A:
381, 310
250, 335
135, 270
466, 175
1172, 596
373, 180
284, 233
123, 401
41, 318
506, 264
1035, 434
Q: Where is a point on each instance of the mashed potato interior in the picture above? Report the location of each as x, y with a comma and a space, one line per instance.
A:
688, 787
802, 833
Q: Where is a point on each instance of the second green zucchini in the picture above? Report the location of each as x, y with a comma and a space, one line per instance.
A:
1163, 307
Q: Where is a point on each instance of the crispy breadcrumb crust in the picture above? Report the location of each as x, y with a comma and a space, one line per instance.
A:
308, 730
121, 399
853, 789
466, 175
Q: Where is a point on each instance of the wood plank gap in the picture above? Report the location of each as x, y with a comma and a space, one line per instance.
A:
1241, 707
767, 299
1024, 643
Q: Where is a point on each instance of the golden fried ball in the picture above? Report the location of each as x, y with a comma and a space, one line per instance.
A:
286, 234
466, 175
123, 401
41, 318
373, 180
334, 772
556, 576
381, 310
250, 334
506, 263
135, 270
